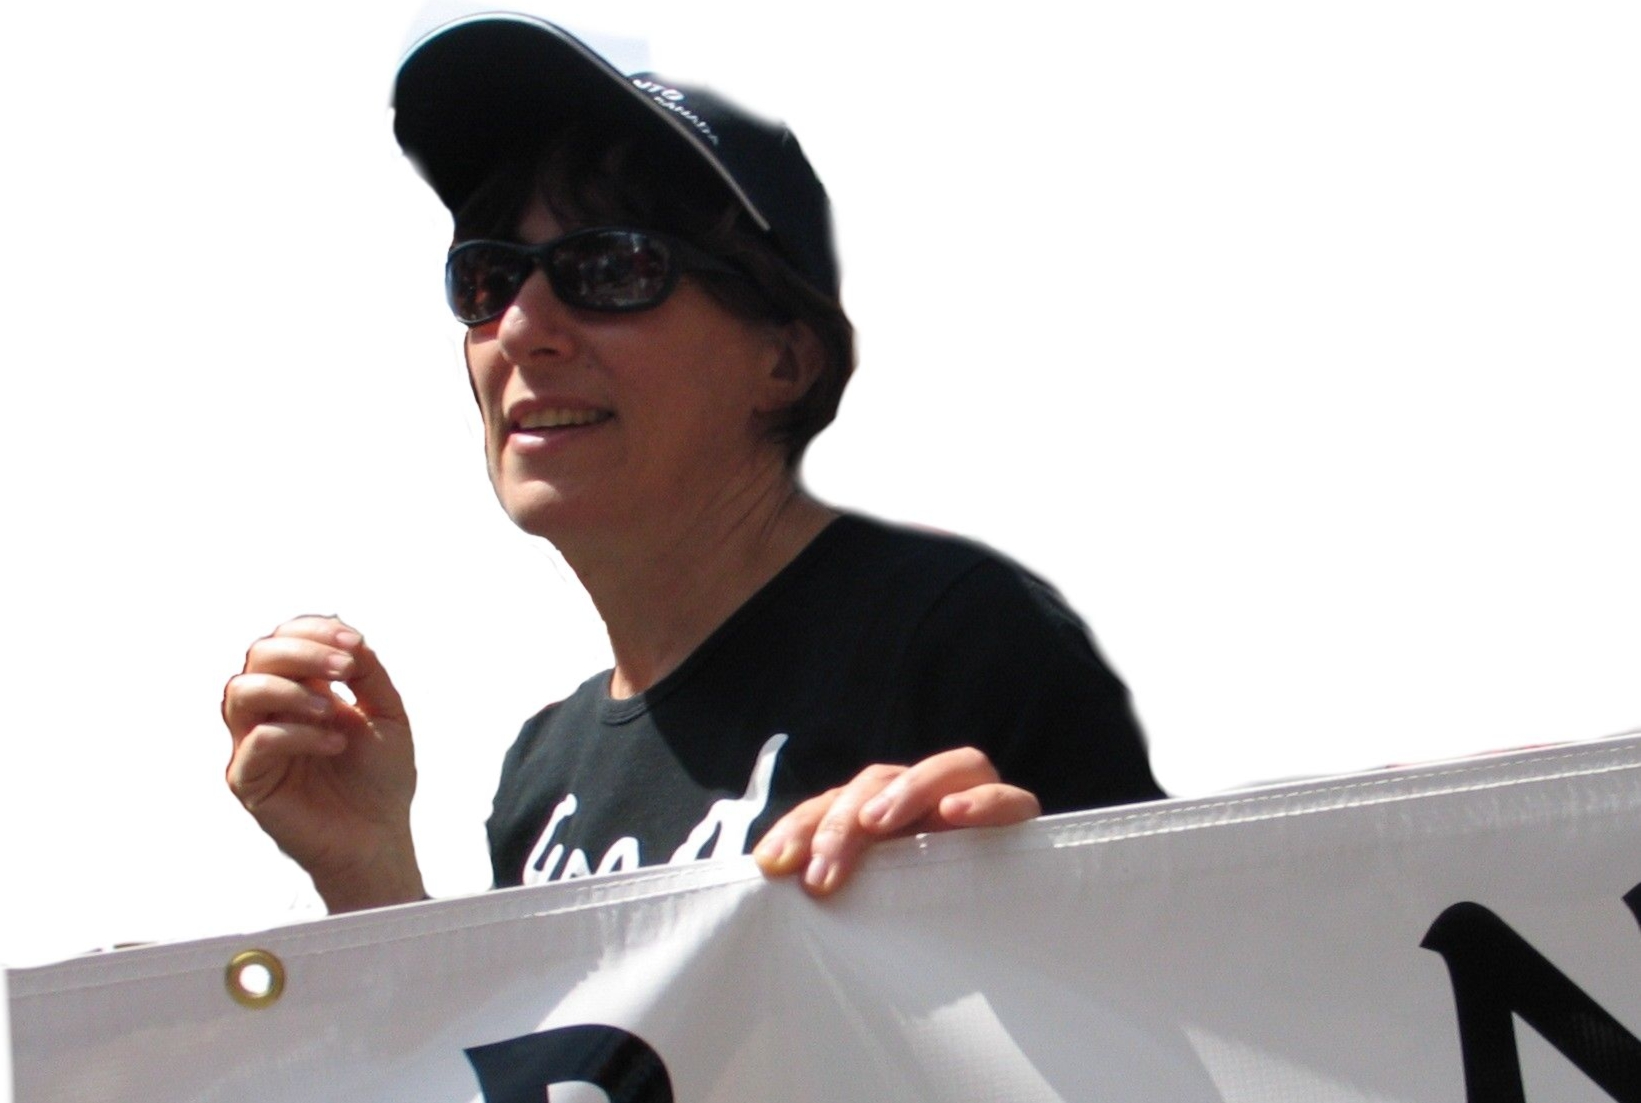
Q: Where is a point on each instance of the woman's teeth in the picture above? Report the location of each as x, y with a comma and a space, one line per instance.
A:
558, 419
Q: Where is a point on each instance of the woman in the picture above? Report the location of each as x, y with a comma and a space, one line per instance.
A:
653, 337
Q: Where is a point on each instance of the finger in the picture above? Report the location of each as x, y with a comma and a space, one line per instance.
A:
361, 670
261, 760
996, 805
915, 795
323, 629
784, 849
839, 838
330, 632
373, 691
299, 658
252, 699
303, 649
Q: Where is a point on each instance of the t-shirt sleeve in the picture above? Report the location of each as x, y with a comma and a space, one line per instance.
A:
507, 827
1001, 663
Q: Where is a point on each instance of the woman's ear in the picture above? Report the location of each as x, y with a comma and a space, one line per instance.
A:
798, 362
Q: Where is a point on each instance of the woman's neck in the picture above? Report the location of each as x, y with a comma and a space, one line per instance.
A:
661, 595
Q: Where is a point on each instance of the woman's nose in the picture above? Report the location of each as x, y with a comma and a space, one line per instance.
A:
536, 324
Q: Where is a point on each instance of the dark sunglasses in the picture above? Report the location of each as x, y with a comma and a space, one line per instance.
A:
607, 268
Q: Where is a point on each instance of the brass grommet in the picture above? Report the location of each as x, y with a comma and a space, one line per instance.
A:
255, 978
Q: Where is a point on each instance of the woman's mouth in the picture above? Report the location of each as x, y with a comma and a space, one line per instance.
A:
560, 419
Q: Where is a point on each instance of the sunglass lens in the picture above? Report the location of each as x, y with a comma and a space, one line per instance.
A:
481, 278
612, 270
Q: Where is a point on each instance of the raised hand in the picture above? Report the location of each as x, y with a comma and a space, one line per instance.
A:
329, 780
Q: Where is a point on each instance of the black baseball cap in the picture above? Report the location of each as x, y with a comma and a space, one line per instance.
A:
479, 89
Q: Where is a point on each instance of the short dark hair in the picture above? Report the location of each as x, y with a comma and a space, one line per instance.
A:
586, 179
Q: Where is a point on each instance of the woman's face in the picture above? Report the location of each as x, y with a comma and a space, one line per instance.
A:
595, 423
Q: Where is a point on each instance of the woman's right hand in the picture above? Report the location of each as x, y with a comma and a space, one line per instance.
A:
330, 781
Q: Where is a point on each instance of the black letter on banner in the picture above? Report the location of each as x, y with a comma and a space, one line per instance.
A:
1496, 972
519, 1069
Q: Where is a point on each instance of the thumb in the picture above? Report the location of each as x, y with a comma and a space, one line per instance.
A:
373, 691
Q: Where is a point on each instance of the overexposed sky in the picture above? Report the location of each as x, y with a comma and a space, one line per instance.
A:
1298, 344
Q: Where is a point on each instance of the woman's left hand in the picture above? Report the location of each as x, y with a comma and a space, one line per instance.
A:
823, 838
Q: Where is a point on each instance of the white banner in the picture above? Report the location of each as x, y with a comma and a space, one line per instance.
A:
1460, 932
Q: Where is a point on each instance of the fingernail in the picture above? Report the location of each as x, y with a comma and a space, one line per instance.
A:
337, 665
819, 873
874, 810
348, 638
318, 705
333, 743
781, 860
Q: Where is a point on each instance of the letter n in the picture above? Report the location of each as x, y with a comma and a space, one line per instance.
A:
1495, 973
520, 1069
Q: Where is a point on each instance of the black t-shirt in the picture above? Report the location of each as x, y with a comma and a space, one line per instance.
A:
876, 644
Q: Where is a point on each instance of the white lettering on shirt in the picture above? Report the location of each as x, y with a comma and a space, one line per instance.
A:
731, 820
538, 869
722, 831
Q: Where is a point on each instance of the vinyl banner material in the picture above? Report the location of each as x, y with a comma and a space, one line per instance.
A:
1467, 931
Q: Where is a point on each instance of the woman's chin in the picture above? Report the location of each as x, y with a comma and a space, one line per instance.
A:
536, 510
553, 515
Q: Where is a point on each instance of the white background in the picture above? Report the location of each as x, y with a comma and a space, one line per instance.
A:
1297, 343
